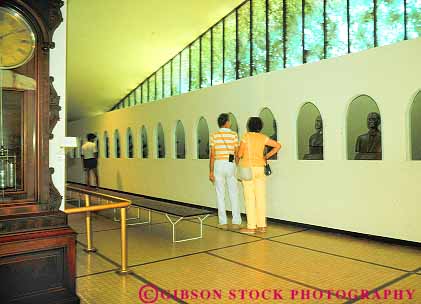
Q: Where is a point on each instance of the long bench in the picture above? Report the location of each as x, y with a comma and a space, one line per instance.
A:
173, 211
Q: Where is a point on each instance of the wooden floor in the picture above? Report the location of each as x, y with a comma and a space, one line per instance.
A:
295, 264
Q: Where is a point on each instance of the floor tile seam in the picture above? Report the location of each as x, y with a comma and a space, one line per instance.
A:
150, 283
253, 235
285, 234
191, 254
266, 272
109, 260
386, 284
340, 256
103, 256
228, 230
96, 273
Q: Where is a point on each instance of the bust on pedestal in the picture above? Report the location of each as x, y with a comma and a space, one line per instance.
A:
369, 145
315, 142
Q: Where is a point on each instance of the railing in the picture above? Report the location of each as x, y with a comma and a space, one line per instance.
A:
121, 204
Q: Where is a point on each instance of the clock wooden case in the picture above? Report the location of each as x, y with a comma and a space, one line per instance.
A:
37, 247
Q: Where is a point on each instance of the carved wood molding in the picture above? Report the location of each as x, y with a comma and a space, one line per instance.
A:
55, 196
55, 108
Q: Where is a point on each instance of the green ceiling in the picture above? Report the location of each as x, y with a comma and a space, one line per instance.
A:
113, 45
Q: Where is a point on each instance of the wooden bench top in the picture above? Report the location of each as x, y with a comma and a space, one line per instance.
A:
154, 204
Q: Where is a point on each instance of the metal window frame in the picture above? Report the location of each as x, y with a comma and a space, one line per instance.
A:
121, 102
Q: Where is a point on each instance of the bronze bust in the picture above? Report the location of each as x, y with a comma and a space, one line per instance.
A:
315, 142
369, 145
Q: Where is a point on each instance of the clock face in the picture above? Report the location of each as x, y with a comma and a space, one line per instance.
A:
17, 39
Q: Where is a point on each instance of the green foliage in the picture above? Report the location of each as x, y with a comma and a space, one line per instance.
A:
294, 43
217, 44
259, 36
244, 40
185, 71
390, 21
313, 30
276, 31
152, 87
336, 28
206, 60
159, 84
361, 27
413, 8
230, 49
145, 97
195, 65
175, 81
167, 80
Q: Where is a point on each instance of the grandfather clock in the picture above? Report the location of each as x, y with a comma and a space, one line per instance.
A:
37, 248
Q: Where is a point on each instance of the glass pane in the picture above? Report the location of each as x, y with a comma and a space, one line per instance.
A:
206, 60
361, 28
13, 105
413, 11
145, 92
217, 45
259, 36
185, 70
390, 21
313, 30
244, 40
294, 40
159, 84
336, 28
139, 94
167, 80
152, 88
229, 48
131, 99
276, 43
175, 90
195, 65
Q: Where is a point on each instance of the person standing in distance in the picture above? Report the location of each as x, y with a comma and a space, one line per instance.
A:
90, 158
224, 145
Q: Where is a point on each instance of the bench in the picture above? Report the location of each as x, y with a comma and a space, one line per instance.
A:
173, 211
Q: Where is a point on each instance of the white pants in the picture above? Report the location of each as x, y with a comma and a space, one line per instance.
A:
224, 171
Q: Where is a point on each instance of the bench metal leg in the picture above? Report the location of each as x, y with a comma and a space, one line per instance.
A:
149, 221
174, 223
135, 218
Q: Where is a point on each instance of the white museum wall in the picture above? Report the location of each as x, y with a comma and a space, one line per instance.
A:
58, 71
373, 197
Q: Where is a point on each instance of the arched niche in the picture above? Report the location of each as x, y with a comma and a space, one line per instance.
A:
415, 127
363, 111
269, 127
129, 143
160, 141
144, 151
180, 141
117, 144
106, 145
233, 121
202, 139
309, 133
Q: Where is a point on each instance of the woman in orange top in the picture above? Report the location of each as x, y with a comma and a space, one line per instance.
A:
251, 154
